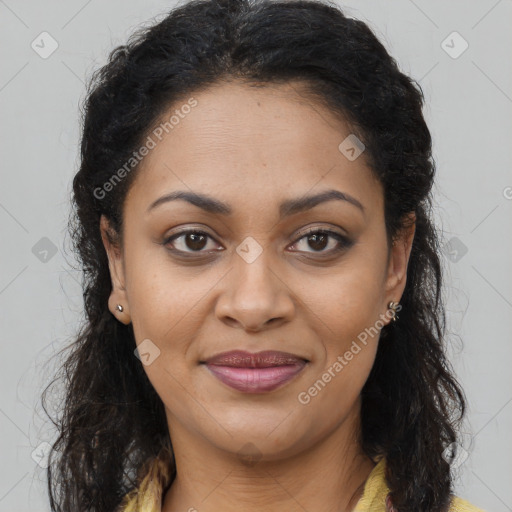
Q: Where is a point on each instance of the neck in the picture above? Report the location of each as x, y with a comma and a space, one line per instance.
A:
329, 476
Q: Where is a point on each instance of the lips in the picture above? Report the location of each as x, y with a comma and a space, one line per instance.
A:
255, 372
266, 359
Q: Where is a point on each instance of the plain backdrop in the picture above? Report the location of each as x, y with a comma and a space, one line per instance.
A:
459, 51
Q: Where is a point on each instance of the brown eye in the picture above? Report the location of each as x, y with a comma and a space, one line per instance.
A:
319, 240
188, 241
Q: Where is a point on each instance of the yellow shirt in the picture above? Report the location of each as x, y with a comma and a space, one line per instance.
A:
376, 491
148, 496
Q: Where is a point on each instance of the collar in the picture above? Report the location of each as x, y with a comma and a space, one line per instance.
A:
148, 496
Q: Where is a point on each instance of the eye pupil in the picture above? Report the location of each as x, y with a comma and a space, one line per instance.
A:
316, 237
195, 237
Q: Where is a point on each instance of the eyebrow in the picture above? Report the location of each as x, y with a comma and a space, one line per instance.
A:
286, 208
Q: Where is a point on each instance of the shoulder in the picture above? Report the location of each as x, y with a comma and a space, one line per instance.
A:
461, 505
376, 490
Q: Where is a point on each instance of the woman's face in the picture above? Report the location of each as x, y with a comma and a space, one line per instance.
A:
250, 277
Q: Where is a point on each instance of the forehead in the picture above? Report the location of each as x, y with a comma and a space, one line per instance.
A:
239, 142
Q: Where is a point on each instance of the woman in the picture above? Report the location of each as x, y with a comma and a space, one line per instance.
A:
252, 211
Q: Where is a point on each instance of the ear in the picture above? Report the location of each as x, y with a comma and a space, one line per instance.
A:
399, 260
118, 295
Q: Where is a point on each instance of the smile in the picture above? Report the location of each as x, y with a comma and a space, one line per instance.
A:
255, 373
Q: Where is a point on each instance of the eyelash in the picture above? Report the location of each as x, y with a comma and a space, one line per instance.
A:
343, 241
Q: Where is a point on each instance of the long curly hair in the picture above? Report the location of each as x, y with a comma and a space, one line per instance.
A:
111, 421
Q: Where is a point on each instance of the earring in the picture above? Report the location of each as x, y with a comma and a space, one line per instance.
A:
393, 305
119, 308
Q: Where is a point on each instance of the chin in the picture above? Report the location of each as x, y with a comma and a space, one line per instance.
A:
253, 438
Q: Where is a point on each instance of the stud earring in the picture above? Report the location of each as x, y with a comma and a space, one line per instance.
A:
120, 308
394, 305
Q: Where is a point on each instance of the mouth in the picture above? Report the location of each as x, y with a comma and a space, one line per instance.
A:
255, 372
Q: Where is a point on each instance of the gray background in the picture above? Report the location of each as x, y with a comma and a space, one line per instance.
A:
469, 105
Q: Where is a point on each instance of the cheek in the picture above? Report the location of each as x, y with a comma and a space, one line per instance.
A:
340, 375
345, 308
344, 300
163, 300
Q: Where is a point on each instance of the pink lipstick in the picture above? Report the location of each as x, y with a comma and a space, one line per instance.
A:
255, 373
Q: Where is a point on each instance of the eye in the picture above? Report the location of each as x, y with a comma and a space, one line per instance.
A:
191, 239
318, 239
195, 241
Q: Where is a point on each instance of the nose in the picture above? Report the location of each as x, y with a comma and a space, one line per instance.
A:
256, 296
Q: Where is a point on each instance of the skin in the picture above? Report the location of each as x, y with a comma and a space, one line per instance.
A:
254, 148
